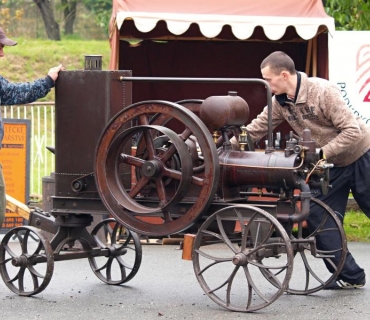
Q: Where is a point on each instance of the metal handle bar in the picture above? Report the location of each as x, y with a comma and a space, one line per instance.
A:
228, 80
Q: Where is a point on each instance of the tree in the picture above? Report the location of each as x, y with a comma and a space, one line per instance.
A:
349, 14
7, 16
102, 10
47, 13
69, 11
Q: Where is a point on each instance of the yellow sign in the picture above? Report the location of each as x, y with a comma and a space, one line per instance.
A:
14, 157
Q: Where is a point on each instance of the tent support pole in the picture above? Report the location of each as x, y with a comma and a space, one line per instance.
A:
314, 57
308, 57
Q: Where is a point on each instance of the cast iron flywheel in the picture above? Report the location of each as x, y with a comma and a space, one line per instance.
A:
174, 163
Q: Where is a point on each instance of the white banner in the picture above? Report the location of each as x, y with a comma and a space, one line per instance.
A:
349, 67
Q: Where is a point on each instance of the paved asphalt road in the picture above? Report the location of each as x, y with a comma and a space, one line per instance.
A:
166, 288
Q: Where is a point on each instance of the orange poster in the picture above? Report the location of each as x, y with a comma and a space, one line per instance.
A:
14, 157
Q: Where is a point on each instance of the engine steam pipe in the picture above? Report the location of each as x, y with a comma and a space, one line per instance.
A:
305, 196
270, 147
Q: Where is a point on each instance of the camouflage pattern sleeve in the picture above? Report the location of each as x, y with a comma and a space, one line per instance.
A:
21, 93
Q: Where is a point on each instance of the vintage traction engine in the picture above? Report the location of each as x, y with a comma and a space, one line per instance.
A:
158, 168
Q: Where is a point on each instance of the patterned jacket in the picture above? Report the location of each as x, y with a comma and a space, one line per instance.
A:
319, 106
21, 93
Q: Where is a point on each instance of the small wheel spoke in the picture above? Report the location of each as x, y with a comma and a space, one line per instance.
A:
116, 232
143, 119
139, 186
211, 233
133, 161
272, 277
218, 236
98, 241
127, 248
123, 264
197, 181
128, 239
149, 144
262, 266
330, 262
9, 251
6, 261
161, 192
170, 173
168, 153
309, 269
167, 216
185, 134
33, 271
228, 281
103, 267
21, 279
247, 230
319, 227
38, 249
211, 264
35, 281
109, 268
327, 230
120, 251
216, 261
253, 286
23, 241
15, 278
123, 272
229, 284
224, 236
328, 253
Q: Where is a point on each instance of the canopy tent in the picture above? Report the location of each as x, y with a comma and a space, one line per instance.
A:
207, 38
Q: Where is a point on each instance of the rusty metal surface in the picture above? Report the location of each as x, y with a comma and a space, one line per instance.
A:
259, 169
220, 111
85, 102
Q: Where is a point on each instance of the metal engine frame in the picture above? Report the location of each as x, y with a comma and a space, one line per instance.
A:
161, 168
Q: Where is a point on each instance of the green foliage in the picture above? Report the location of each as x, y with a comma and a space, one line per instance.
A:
349, 14
101, 9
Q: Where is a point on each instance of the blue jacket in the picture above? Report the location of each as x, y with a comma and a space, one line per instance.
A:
22, 93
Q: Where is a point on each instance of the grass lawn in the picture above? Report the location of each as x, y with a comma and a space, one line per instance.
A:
31, 59
357, 226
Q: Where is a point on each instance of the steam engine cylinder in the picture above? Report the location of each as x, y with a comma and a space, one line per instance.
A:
259, 169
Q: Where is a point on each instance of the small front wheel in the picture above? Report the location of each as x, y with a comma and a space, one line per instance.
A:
26, 261
124, 252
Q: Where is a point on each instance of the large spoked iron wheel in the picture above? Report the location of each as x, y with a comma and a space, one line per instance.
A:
26, 261
230, 250
123, 261
317, 261
175, 159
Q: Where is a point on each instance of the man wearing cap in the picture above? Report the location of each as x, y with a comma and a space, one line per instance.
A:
20, 93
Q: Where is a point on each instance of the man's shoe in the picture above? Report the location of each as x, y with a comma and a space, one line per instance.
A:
340, 284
